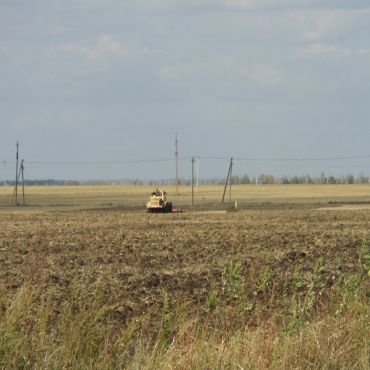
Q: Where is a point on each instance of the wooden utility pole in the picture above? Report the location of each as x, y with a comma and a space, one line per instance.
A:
22, 171
197, 158
192, 181
177, 164
15, 192
227, 180
231, 178
16, 175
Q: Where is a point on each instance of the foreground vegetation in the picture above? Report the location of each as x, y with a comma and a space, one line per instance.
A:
250, 289
84, 335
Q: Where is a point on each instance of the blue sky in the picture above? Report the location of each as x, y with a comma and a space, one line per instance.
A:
109, 80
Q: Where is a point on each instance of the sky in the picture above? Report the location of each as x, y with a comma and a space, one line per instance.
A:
113, 81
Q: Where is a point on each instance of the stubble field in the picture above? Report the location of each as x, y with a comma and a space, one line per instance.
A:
275, 285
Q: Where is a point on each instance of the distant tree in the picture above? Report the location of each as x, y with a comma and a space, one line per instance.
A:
266, 179
285, 180
323, 178
308, 179
350, 179
362, 179
294, 180
332, 180
245, 179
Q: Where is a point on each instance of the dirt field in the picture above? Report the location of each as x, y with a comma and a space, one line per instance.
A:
230, 270
184, 254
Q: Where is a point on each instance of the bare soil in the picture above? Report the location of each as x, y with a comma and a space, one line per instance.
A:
139, 256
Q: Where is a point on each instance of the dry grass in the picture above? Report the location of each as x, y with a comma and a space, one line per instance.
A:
82, 337
135, 197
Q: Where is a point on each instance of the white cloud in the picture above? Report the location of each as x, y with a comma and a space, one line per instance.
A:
326, 24
266, 76
237, 5
223, 74
308, 25
329, 52
104, 50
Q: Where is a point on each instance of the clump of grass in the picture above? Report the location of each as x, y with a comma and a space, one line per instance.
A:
349, 294
212, 301
14, 331
297, 277
303, 305
364, 255
265, 281
167, 327
233, 280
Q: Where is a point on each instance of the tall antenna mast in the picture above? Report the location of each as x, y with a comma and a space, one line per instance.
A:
177, 164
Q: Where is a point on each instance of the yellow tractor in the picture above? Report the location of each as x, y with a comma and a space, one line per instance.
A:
158, 203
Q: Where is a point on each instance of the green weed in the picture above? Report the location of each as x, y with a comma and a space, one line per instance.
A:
211, 301
167, 327
297, 277
364, 255
233, 280
265, 281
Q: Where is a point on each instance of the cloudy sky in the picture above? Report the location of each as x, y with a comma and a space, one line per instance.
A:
110, 80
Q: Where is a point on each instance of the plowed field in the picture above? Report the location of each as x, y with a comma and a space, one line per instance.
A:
141, 255
266, 287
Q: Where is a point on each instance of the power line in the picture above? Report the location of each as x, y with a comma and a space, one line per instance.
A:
213, 157
138, 161
103, 163
303, 159
288, 159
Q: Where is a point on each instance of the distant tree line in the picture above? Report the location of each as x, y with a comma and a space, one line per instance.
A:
47, 182
305, 179
264, 179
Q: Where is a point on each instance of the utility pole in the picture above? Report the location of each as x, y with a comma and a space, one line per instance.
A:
16, 175
192, 181
177, 164
227, 180
231, 178
197, 158
22, 171
15, 192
